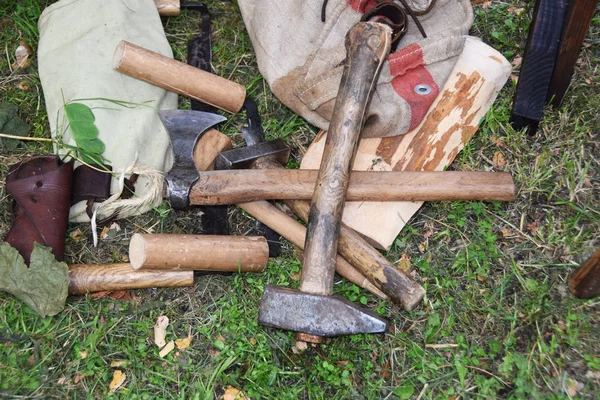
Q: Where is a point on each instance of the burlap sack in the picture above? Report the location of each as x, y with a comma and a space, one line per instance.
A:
300, 57
77, 42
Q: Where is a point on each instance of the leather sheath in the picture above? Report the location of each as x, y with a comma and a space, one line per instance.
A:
89, 184
41, 187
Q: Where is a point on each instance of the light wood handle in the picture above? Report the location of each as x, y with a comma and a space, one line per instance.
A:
89, 278
168, 8
235, 186
178, 77
367, 45
199, 252
584, 283
293, 231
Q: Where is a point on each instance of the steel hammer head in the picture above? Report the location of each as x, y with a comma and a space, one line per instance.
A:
319, 315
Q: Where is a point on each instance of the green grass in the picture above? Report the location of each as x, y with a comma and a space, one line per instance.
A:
495, 273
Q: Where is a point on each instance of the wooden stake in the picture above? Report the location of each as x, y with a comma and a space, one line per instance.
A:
168, 8
89, 278
178, 77
584, 283
199, 252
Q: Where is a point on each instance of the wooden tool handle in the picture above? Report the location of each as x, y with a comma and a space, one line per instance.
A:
168, 8
238, 186
89, 278
199, 252
293, 231
584, 283
367, 45
178, 77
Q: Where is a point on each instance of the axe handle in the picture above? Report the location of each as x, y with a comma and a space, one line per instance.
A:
235, 186
168, 8
199, 252
89, 278
178, 77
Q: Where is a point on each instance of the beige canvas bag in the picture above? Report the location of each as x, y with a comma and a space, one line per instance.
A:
77, 42
301, 57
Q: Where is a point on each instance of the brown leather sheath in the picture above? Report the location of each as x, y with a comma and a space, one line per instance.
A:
41, 187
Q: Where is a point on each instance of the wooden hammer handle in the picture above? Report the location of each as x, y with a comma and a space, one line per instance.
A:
178, 77
235, 186
367, 45
89, 278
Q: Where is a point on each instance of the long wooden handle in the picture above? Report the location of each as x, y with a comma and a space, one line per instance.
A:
584, 283
293, 231
168, 8
367, 45
199, 252
235, 186
178, 77
89, 278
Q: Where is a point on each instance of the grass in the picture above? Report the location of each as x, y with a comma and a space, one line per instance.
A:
498, 320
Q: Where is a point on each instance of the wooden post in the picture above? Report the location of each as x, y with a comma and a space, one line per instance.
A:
584, 283
577, 21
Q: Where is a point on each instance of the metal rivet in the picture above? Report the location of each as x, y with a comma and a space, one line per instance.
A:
422, 89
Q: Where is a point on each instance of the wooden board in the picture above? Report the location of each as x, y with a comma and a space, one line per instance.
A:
479, 74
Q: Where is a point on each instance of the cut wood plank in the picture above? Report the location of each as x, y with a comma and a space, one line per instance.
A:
472, 87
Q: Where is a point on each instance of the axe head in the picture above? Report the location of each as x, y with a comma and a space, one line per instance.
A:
319, 315
185, 128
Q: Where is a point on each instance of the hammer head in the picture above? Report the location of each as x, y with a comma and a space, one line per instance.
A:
314, 314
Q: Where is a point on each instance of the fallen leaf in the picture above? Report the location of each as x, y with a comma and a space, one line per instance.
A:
386, 372
497, 141
117, 380
421, 247
214, 353
253, 341
119, 363
498, 160
104, 233
167, 349
43, 286
160, 331
76, 235
23, 55
185, 342
516, 62
232, 393
83, 354
573, 387
533, 227
78, 378
62, 380
23, 85
514, 78
506, 233
404, 264
115, 227
299, 347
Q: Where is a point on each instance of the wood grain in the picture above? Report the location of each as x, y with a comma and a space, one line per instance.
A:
584, 283
89, 278
199, 252
168, 8
238, 186
178, 77
577, 22
479, 74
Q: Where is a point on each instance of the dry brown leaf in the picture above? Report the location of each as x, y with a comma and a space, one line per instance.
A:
78, 378
386, 371
299, 347
506, 233
404, 264
83, 354
497, 141
232, 393
421, 247
167, 349
104, 233
517, 61
23, 85
119, 363
76, 235
117, 380
573, 387
214, 353
221, 339
498, 160
62, 380
533, 227
183, 343
253, 341
23, 55
160, 331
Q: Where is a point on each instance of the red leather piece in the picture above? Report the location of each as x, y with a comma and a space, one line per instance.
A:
41, 187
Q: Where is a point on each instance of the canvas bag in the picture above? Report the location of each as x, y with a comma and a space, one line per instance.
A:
77, 42
301, 57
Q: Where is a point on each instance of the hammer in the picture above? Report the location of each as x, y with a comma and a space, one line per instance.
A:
367, 45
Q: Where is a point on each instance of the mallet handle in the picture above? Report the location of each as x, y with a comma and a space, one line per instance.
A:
178, 77
367, 45
89, 278
168, 8
235, 186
